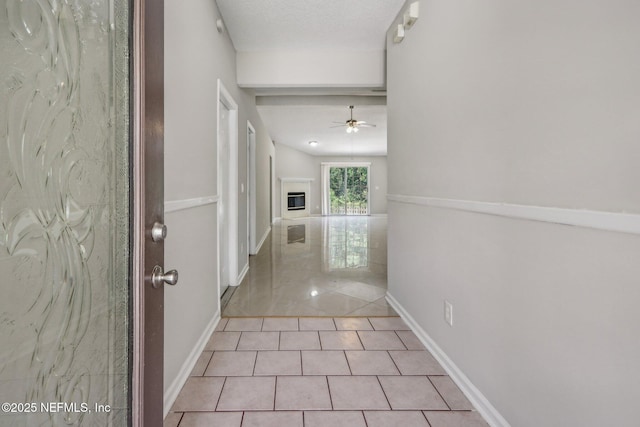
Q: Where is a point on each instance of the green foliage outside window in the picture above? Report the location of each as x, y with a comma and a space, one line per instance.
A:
348, 190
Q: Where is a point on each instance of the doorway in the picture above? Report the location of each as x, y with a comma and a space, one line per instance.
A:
271, 180
227, 189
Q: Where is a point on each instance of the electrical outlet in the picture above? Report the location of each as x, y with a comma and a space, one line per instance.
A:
448, 312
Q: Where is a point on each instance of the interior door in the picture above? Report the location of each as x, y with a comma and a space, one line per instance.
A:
65, 213
224, 136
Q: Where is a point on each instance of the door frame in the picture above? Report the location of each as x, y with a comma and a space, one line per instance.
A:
147, 126
251, 189
231, 207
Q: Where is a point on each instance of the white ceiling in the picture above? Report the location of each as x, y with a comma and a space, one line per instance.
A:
256, 25
296, 125
337, 25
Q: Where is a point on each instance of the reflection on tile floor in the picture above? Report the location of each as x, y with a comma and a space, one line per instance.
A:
312, 372
318, 266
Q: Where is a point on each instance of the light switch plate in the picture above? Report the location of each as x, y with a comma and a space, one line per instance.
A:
448, 312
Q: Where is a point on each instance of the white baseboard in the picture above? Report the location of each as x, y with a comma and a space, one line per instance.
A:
171, 394
243, 273
475, 396
259, 245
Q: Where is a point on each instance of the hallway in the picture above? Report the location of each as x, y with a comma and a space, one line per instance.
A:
505, 145
353, 363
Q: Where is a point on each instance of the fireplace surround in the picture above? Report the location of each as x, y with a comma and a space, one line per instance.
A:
295, 197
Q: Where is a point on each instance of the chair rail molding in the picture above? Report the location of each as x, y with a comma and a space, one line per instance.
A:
601, 220
179, 205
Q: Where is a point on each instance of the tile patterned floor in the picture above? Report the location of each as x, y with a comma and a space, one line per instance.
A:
319, 372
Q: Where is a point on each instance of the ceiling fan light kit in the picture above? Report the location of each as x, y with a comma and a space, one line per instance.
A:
353, 125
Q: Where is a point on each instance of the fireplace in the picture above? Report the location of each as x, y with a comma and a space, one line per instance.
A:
295, 201
295, 197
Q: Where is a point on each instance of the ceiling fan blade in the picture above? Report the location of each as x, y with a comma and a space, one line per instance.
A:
342, 123
366, 125
339, 126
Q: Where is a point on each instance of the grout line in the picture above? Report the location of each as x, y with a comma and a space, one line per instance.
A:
371, 324
298, 323
384, 392
238, 343
224, 382
255, 363
326, 378
275, 391
425, 417
208, 363
438, 391
320, 340
360, 339
365, 419
344, 353
301, 364
279, 340
394, 362
405, 346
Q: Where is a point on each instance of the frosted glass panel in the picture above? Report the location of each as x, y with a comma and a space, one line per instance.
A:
64, 220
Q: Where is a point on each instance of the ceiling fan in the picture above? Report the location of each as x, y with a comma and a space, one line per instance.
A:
353, 124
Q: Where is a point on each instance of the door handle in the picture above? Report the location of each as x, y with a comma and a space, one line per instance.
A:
158, 277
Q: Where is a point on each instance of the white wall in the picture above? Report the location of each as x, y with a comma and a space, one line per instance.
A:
196, 55
311, 68
292, 163
530, 103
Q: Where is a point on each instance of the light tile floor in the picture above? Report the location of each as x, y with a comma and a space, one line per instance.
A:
318, 266
319, 372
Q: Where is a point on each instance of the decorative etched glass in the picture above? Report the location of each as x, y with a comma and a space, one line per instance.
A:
64, 144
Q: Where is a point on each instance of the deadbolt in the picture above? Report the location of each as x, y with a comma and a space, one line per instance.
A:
158, 232
158, 277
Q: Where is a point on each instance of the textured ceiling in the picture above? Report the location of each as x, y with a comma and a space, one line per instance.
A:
256, 25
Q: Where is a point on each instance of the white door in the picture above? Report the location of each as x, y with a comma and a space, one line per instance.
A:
227, 188
251, 189
223, 211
